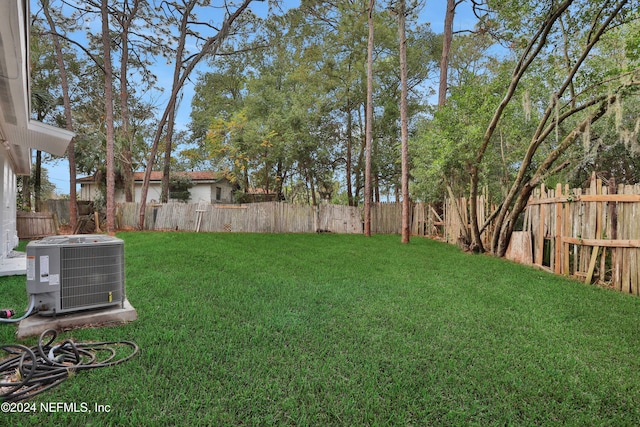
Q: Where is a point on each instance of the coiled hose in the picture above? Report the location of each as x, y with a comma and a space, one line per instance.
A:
30, 371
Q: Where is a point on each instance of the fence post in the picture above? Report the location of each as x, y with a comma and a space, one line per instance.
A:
558, 238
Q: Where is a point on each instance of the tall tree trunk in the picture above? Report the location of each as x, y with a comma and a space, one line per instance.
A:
26, 191
505, 227
245, 177
166, 170
546, 124
368, 124
446, 48
266, 177
66, 101
210, 47
127, 156
127, 172
108, 100
404, 126
168, 142
359, 175
312, 187
531, 51
349, 153
37, 185
280, 178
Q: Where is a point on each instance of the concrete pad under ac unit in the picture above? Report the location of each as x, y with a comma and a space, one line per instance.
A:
35, 325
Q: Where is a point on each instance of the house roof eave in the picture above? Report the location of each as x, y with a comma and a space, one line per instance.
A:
17, 131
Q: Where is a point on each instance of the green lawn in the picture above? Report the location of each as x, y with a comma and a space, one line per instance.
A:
265, 329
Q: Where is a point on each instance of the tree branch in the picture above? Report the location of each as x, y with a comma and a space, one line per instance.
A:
84, 49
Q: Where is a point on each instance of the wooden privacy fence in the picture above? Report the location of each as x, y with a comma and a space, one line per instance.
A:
278, 217
268, 217
59, 208
456, 218
386, 218
34, 225
590, 234
426, 221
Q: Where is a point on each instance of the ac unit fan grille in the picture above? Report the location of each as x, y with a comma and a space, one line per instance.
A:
91, 276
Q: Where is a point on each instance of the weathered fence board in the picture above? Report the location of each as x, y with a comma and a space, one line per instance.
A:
591, 234
58, 207
34, 225
267, 217
426, 221
340, 219
278, 217
386, 218
457, 222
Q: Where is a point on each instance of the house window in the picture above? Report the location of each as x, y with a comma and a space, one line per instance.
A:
218, 193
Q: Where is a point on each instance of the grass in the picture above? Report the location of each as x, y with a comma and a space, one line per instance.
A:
262, 329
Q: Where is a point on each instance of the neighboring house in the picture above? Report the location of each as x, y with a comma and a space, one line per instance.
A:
18, 133
210, 187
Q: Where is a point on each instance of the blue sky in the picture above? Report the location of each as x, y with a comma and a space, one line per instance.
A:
433, 12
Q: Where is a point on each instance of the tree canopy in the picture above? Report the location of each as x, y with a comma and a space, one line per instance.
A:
536, 91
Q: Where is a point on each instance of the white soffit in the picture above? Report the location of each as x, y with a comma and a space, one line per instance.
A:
19, 134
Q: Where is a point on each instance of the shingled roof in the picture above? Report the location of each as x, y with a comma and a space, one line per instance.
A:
157, 176
195, 176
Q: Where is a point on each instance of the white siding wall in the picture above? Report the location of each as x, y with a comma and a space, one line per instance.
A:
201, 193
207, 193
8, 231
226, 196
153, 194
88, 191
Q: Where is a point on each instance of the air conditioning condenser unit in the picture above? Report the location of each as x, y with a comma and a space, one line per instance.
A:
73, 273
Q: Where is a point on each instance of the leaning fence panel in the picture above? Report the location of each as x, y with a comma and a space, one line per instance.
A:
589, 234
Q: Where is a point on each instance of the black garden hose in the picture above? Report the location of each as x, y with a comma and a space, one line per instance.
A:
30, 371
